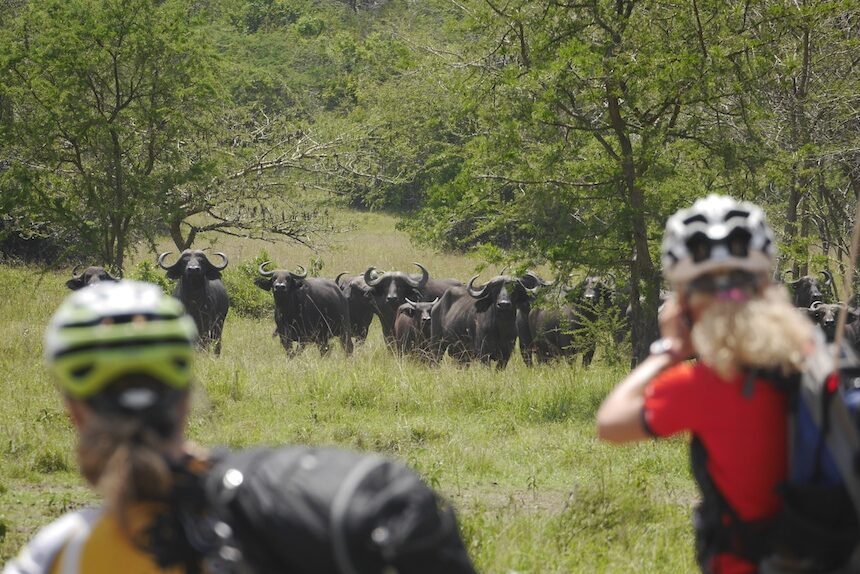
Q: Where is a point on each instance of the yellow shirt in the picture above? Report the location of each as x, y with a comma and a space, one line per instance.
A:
89, 542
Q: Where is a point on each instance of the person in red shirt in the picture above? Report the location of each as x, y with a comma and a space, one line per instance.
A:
746, 337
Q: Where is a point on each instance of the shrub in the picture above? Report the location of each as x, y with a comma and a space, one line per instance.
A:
246, 299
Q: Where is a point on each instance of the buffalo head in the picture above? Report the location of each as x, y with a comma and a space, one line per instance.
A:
89, 276
503, 292
193, 266
280, 282
419, 311
393, 287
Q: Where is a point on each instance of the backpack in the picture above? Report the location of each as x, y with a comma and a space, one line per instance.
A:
818, 529
820, 521
305, 510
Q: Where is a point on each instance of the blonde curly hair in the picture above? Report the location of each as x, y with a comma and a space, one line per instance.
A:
764, 332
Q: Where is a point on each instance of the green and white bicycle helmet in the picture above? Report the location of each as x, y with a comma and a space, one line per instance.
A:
108, 331
717, 233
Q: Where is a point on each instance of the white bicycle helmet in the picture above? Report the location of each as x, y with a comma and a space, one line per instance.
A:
108, 330
717, 233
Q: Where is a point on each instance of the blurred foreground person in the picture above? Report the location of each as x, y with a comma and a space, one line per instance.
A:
122, 353
718, 257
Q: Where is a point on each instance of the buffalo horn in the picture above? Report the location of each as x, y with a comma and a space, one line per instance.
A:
301, 275
75, 269
828, 280
476, 293
161, 259
425, 276
504, 270
815, 305
412, 304
224, 261
262, 271
339, 275
371, 278
790, 272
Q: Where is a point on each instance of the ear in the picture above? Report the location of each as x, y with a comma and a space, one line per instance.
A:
301, 284
408, 311
483, 304
211, 273
175, 272
75, 283
263, 283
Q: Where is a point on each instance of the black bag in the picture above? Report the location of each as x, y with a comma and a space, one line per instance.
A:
306, 510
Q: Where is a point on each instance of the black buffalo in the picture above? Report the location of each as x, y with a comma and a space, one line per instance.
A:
807, 289
362, 306
201, 290
391, 289
826, 316
89, 276
307, 310
474, 323
412, 327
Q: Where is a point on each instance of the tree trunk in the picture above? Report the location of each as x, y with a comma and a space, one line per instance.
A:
182, 243
644, 278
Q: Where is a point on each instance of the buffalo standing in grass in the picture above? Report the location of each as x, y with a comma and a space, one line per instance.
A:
90, 276
562, 330
201, 290
391, 288
412, 327
362, 307
307, 310
479, 323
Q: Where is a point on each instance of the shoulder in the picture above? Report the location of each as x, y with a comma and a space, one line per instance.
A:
39, 554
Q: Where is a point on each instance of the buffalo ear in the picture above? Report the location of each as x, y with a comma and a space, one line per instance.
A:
175, 272
264, 283
408, 311
211, 272
75, 283
483, 304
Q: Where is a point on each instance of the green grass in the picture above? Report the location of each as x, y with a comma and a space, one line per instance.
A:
514, 450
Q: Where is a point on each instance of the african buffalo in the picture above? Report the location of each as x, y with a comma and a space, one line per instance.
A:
199, 287
826, 316
412, 326
90, 276
807, 289
390, 290
307, 310
562, 328
362, 306
474, 323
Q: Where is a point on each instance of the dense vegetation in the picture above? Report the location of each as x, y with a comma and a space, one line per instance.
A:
536, 131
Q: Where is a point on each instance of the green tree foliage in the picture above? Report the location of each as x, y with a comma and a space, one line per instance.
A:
109, 103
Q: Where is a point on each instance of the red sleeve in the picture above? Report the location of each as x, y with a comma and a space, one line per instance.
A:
672, 401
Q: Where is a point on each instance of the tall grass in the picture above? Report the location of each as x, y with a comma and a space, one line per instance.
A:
513, 450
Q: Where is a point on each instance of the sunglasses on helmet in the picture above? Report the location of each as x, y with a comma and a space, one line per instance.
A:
737, 243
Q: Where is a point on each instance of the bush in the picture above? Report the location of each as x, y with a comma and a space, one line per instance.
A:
246, 299
146, 271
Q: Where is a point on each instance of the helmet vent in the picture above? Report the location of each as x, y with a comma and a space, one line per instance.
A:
82, 372
698, 218
736, 213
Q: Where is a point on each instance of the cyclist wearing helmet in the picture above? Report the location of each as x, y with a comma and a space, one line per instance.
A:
121, 354
718, 257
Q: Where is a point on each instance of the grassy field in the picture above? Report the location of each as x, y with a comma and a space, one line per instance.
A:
514, 451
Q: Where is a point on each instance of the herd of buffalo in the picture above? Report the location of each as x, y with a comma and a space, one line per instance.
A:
429, 317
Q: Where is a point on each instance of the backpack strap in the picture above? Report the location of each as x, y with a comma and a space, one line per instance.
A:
719, 528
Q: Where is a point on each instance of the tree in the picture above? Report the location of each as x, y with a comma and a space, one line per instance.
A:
110, 100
